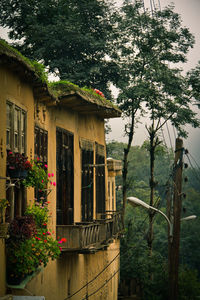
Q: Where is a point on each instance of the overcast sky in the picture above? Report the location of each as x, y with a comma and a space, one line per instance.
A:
189, 11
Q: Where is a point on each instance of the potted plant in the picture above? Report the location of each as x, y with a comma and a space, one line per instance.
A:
3, 225
18, 165
38, 177
30, 244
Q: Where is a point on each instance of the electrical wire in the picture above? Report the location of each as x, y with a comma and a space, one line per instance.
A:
94, 278
106, 282
194, 170
194, 160
169, 136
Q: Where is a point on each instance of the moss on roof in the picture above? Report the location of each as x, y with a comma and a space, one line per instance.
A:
63, 88
58, 89
33, 66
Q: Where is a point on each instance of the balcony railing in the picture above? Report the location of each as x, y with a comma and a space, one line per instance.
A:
83, 237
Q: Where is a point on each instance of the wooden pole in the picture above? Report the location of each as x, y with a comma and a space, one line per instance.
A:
177, 205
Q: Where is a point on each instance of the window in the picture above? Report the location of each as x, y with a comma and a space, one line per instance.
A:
15, 142
41, 152
100, 180
41, 145
65, 176
15, 128
87, 158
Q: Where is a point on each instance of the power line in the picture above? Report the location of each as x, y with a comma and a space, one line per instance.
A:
169, 135
194, 170
94, 278
194, 161
107, 280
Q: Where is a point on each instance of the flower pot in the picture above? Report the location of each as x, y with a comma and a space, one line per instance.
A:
17, 173
14, 280
4, 229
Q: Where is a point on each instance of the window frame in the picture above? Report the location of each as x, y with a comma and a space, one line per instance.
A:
20, 147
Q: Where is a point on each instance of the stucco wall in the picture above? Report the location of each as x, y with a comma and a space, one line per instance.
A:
71, 272
88, 127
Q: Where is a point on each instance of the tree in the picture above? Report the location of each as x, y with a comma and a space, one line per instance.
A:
70, 37
135, 261
146, 46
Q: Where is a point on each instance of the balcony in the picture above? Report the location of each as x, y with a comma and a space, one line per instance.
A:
91, 237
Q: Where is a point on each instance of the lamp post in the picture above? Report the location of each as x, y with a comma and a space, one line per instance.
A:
137, 202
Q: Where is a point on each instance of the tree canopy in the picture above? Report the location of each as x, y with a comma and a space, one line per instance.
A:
70, 37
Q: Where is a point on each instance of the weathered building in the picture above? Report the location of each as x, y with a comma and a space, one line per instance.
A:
63, 125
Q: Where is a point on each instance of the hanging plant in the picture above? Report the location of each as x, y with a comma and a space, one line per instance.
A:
38, 176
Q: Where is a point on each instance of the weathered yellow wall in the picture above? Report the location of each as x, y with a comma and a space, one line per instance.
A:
73, 270
82, 126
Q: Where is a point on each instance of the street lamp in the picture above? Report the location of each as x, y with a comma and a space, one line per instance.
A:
137, 202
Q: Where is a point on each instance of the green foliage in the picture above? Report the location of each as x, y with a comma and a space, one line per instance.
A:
189, 284
194, 81
37, 67
37, 176
30, 244
70, 37
144, 47
39, 211
135, 260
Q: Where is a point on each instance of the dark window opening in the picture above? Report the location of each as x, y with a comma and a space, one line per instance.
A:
65, 177
100, 180
41, 152
87, 184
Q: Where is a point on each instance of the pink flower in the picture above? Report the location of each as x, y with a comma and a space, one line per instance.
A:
50, 182
60, 248
49, 174
38, 158
46, 166
54, 183
59, 242
52, 174
42, 180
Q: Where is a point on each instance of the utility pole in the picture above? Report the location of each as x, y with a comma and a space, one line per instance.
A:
177, 205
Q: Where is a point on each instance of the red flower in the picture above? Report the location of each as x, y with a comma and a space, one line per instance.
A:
63, 240
45, 241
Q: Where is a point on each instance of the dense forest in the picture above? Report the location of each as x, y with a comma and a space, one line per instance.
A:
135, 261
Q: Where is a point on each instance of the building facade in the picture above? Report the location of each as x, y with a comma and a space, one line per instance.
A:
62, 126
